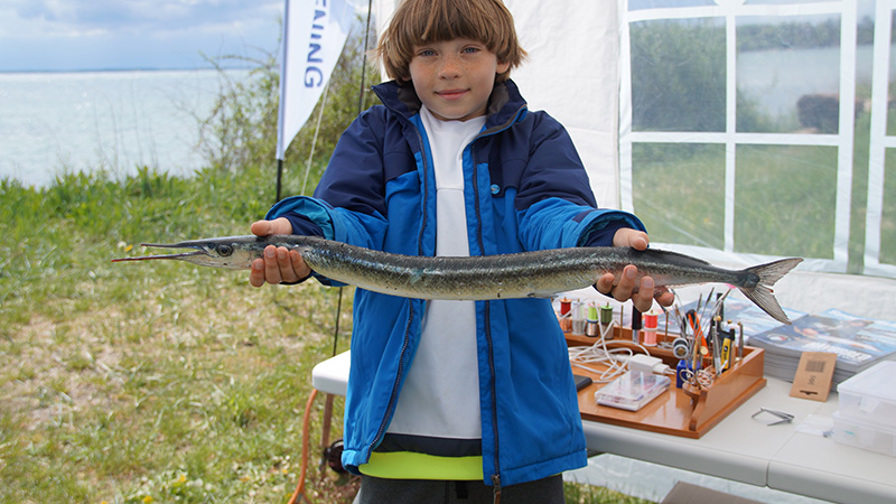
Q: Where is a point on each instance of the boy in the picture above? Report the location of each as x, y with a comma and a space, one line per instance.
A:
456, 400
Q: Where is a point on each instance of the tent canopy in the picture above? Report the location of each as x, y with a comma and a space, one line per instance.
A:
738, 130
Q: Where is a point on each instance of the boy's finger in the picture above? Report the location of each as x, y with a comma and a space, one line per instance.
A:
261, 228
298, 264
281, 225
271, 265
623, 291
256, 273
287, 272
643, 300
664, 297
640, 242
604, 284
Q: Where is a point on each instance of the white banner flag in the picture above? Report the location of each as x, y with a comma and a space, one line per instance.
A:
314, 32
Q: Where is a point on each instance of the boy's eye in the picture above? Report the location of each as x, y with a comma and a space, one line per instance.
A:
425, 52
471, 50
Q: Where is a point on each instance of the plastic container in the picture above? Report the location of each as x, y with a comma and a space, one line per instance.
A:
870, 396
632, 390
864, 434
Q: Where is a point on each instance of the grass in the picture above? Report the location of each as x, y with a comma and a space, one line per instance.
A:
162, 382
157, 382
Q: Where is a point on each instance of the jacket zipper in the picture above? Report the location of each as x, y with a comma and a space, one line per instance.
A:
393, 397
496, 477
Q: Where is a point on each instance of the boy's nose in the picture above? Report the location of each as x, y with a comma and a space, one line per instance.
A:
450, 67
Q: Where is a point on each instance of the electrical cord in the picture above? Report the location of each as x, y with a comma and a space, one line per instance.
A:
306, 438
586, 357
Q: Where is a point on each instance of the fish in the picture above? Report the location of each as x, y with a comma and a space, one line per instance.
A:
541, 273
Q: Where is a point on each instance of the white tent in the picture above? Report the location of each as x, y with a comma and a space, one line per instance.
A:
757, 153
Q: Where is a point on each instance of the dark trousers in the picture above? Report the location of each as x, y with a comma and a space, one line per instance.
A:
397, 491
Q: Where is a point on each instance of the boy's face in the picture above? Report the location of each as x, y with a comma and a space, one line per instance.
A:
454, 78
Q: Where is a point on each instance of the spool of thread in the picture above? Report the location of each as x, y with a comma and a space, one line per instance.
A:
651, 320
592, 327
680, 348
606, 316
578, 319
565, 315
636, 325
565, 306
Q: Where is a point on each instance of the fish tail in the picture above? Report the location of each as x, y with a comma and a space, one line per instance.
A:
762, 293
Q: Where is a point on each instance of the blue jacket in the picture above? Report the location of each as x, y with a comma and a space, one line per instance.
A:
525, 189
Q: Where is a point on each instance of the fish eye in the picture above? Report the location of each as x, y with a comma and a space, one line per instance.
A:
224, 249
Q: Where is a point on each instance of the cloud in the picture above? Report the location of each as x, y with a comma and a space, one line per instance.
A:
77, 16
88, 34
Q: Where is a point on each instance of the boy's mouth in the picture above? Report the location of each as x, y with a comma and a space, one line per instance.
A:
451, 94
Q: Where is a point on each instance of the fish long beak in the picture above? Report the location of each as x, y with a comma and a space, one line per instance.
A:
183, 256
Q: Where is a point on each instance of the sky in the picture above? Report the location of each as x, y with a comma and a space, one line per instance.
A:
65, 35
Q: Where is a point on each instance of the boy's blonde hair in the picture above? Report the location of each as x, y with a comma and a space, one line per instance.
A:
416, 22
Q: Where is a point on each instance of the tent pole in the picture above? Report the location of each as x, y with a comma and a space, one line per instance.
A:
279, 178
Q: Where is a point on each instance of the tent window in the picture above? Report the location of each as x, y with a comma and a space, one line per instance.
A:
788, 74
738, 127
682, 185
678, 75
771, 217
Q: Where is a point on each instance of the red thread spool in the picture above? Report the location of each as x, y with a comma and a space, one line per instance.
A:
566, 315
649, 330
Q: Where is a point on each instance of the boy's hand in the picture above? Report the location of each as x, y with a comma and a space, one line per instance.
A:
625, 289
280, 265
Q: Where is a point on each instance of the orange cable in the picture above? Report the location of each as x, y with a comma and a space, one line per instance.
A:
306, 435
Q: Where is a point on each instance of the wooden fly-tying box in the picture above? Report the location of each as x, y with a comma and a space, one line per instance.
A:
690, 411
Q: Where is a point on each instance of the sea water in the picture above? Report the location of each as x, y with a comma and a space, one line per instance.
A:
52, 123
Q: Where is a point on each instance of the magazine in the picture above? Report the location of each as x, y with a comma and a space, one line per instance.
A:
857, 342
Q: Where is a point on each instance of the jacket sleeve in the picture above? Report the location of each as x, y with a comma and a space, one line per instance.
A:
349, 202
556, 206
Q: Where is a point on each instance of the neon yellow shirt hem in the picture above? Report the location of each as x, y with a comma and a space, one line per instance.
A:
409, 465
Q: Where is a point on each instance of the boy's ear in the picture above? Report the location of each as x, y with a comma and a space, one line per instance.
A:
502, 68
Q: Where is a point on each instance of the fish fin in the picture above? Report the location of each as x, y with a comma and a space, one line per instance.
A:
762, 294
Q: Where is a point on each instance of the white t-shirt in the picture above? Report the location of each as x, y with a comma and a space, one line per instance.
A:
440, 397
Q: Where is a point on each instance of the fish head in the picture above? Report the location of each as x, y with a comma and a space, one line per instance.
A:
229, 252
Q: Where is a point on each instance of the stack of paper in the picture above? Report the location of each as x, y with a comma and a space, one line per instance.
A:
858, 343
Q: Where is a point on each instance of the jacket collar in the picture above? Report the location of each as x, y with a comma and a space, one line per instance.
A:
503, 106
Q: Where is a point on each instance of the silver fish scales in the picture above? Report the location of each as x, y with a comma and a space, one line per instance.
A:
527, 274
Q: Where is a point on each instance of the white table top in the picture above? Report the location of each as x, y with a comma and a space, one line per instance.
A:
331, 375
739, 448
744, 449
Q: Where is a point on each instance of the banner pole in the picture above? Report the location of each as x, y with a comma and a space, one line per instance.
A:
279, 179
